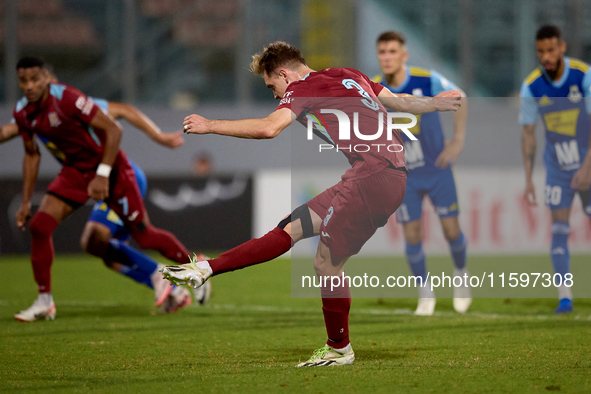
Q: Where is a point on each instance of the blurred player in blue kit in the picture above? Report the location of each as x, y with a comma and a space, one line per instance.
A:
429, 160
557, 90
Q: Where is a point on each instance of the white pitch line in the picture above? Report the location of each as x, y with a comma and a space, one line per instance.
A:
387, 312
279, 309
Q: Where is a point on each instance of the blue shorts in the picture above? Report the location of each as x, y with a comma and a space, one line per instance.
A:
104, 215
559, 195
441, 189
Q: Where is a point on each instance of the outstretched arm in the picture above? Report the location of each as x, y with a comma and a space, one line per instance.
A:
263, 128
528, 150
8, 132
138, 119
446, 101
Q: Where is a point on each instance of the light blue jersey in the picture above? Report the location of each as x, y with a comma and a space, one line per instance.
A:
422, 153
101, 103
424, 177
565, 115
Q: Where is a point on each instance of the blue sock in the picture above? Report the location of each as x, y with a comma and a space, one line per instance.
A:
416, 260
559, 251
136, 275
458, 251
122, 253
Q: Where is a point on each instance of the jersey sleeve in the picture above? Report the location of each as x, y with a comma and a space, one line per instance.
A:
587, 91
375, 86
528, 111
24, 132
102, 103
440, 84
296, 97
77, 105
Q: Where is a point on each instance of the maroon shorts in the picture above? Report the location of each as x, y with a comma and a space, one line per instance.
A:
71, 186
354, 210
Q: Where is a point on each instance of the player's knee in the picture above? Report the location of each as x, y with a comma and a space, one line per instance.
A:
414, 238
84, 240
143, 235
109, 264
413, 234
285, 225
95, 240
451, 233
307, 226
320, 266
38, 226
285, 222
84, 243
323, 265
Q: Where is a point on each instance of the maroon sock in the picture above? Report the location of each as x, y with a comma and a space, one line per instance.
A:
42, 227
164, 242
257, 250
335, 306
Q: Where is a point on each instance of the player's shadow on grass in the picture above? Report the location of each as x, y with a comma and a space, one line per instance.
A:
44, 383
475, 328
211, 321
104, 311
228, 320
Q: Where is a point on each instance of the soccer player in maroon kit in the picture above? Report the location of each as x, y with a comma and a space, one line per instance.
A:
93, 166
345, 215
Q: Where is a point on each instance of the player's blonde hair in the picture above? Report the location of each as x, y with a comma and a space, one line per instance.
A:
277, 54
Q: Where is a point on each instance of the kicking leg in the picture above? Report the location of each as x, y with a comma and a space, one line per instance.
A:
302, 223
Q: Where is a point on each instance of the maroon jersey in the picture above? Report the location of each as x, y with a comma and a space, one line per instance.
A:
354, 94
63, 120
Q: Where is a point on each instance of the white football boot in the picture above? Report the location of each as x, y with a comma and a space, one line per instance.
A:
162, 287
462, 294
194, 274
327, 357
42, 309
179, 298
203, 293
427, 301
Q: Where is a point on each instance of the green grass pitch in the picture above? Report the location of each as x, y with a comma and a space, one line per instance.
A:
107, 338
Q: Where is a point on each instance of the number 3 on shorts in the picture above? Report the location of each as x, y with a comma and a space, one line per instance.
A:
553, 194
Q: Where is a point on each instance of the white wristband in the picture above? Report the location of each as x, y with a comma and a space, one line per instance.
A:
103, 170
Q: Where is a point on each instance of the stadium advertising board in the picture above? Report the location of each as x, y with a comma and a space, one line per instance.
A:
197, 210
